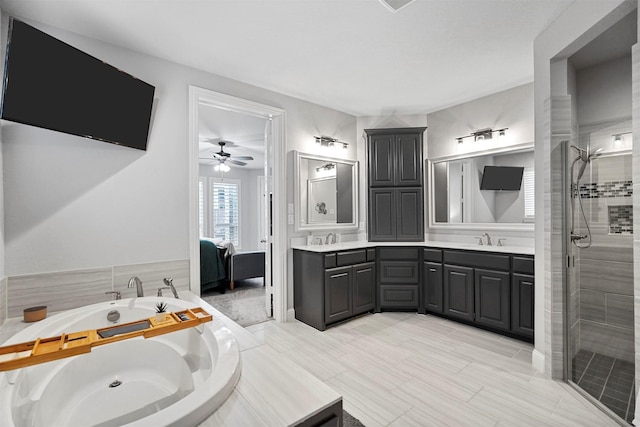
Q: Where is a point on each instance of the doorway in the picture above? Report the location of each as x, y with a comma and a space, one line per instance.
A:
275, 189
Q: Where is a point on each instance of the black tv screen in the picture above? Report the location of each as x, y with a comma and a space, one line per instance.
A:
506, 178
52, 85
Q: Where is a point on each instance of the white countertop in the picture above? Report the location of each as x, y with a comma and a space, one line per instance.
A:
361, 244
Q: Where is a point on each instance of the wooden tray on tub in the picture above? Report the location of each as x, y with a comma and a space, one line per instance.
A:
43, 350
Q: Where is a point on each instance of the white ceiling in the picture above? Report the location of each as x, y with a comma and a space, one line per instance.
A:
244, 132
352, 55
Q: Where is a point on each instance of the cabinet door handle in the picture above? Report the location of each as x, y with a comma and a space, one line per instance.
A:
339, 275
433, 270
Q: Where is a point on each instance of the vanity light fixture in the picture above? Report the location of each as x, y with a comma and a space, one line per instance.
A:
618, 138
483, 134
326, 167
327, 141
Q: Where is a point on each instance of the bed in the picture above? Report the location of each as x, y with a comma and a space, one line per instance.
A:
221, 264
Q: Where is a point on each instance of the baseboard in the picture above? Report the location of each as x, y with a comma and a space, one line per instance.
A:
537, 360
291, 315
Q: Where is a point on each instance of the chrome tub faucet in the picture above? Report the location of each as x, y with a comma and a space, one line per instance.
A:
135, 282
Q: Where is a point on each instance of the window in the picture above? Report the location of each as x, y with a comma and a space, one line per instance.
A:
528, 183
220, 209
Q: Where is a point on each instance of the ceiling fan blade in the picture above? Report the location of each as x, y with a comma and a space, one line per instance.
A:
242, 157
236, 162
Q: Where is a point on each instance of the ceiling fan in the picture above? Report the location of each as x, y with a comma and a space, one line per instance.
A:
223, 157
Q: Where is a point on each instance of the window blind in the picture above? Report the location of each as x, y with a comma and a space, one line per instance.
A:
225, 204
528, 182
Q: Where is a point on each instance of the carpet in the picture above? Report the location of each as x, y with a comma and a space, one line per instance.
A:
244, 304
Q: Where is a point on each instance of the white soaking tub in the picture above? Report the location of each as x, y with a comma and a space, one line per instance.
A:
176, 379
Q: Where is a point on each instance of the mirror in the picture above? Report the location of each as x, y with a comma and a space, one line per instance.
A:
326, 192
460, 196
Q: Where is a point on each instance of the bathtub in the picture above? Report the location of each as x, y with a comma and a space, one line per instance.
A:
176, 379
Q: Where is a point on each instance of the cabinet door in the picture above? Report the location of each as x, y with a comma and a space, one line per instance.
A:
458, 292
381, 160
382, 215
337, 294
493, 302
522, 297
432, 286
409, 217
364, 287
408, 165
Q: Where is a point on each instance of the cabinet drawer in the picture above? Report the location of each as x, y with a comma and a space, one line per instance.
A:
399, 253
399, 296
351, 257
524, 265
477, 259
433, 255
330, 260
393, 272
371, 254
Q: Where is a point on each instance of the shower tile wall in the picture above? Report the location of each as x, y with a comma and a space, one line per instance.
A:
605, 270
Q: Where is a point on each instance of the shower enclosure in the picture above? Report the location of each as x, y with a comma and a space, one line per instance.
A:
599, 278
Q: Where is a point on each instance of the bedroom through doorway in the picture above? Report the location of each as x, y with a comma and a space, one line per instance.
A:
233, 212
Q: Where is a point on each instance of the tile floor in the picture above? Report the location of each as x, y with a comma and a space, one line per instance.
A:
609, 380
406, 369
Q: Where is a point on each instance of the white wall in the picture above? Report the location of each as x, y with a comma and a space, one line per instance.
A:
604, 91
512, 108
73, 203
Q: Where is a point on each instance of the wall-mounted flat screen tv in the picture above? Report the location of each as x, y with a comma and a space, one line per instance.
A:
52, 85
505, 178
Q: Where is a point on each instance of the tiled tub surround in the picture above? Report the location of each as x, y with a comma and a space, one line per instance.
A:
71, 289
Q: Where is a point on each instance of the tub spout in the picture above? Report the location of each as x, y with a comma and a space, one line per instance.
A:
169, 282
137, 283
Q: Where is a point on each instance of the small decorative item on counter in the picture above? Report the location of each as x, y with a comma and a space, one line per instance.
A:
33, 314
161, 309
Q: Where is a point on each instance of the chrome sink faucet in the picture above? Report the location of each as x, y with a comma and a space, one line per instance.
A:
488, 239
333, 239
319, 239
137, 283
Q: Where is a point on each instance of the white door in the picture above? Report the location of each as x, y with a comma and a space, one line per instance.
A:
266, 210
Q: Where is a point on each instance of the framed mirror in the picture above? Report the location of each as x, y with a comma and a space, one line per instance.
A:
326, 192
491, 189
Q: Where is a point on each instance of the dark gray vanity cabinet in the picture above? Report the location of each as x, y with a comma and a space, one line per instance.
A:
333, 286
522, 296
399, 278
477, 288
396, 214
432, 280
396, 207
458, 292
493, 303
395, 157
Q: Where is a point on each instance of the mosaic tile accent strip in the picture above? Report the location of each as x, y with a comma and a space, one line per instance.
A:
597, 190
621, 219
